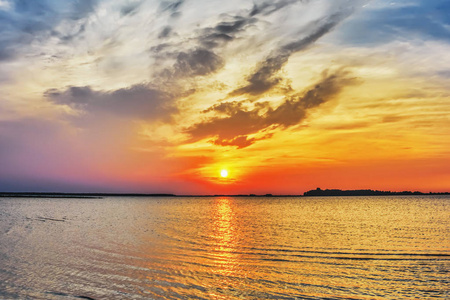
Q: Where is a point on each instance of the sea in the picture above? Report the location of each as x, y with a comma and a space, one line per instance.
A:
390, 247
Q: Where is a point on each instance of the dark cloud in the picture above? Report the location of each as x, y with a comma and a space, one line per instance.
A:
240, 141
188, 63
225, 107
138, 101
265, 76
205, 57
233, 122
165, 32
172, 6
160, 49
239, 122
201, 60
130, 8
197, 62
269, 7
28, 21
227, 30
224, 31
215, 39
231, 27
73, 95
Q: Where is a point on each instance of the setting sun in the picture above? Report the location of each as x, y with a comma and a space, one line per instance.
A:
224, 173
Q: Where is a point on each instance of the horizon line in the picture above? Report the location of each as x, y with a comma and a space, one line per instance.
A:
309, 193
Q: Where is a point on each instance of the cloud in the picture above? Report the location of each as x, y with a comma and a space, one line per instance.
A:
206, 51
81, 8
264, 78
172, 6
201, 59
28, 21
233, 122
224, 31
269, 7
130, 8
138, 101
240, 142
197, 62
165, 32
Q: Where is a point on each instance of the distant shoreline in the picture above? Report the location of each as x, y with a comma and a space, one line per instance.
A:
312, 193
337, 192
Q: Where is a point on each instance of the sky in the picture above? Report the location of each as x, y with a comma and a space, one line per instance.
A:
286, 95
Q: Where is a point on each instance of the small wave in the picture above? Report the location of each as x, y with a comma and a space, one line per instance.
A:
69, 295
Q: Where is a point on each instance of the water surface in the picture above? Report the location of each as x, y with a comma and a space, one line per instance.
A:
225, 248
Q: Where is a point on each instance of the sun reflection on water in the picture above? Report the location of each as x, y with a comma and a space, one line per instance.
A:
252, 248
224, 236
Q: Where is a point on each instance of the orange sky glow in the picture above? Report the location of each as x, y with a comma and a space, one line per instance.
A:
286, 96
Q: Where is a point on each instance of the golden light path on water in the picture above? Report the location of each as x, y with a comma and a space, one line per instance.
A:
225, 248
226, 261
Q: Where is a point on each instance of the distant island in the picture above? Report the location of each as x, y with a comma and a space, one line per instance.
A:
312, 193
337, 192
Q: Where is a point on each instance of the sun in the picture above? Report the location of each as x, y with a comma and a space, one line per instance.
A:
224, 173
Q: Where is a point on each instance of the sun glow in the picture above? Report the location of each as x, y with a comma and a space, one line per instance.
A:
224, 173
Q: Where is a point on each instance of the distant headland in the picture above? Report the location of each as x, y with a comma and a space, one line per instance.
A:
318, 192
337, 192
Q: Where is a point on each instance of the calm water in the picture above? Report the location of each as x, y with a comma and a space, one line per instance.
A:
225, 248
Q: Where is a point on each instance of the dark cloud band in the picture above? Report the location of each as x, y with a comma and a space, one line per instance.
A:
138, 101
233, 122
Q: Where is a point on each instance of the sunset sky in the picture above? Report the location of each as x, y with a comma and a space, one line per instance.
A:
286, 95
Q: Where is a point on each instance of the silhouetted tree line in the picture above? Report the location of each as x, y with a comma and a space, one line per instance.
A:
337, 192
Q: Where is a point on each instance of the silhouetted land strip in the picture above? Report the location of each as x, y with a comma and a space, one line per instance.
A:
312, 193
79, 195
336, 192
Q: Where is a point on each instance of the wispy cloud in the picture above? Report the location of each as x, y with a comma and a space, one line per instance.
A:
27, 21
265, 77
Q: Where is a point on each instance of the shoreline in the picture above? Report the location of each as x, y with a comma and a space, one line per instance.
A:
312, 193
